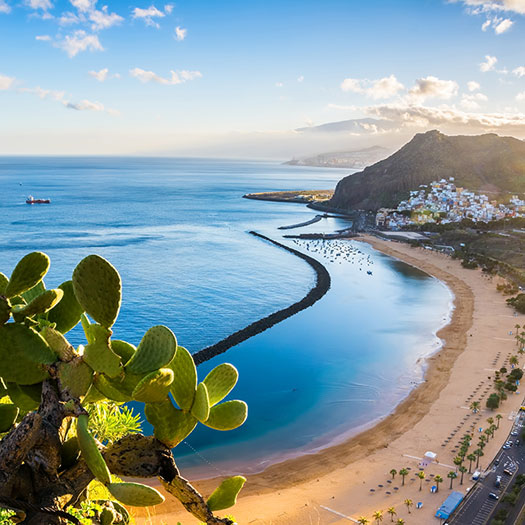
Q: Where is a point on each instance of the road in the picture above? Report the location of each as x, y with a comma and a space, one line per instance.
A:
477, 508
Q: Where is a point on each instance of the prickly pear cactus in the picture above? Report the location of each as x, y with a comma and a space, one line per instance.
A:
35, 353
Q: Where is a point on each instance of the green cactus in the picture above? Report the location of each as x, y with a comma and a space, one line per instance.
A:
201, 404
23, 354
109, 388
29, 271
75, 376
170, 424
90, 452
69, 452
156, 350
184, 383
107, 517
98, 354
123, 349
98, 289
220, 382
135, 494
34, 292
8, 415
5, 310
154, 387
3, 283
225, 495
26, 398
58, 343
40, 304
227, 415
66, 314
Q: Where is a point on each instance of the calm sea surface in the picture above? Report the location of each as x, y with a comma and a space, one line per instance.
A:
177, 231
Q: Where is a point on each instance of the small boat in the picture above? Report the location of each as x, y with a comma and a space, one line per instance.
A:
369, 272
32, 200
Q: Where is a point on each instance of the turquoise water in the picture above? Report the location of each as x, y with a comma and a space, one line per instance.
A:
177, 231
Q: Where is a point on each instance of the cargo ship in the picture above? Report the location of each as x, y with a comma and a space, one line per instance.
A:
32, 200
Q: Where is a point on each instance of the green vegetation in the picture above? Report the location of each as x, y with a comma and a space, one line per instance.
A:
67, 438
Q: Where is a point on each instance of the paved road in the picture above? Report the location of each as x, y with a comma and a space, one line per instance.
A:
478, 508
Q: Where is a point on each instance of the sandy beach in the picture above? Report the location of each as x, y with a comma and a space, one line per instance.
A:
336, 484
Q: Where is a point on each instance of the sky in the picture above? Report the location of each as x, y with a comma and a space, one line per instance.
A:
238, 79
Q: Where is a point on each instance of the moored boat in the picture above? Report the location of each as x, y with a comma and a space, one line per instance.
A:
32, 200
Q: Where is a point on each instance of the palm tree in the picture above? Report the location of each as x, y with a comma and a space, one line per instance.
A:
498, 417
400, 521
392, 512
438, 479
408, 502
403, 472
471, 458
492, 429
393, 472
475, 406
363, 521
478, 453
513, 360
458, 461
452, 476
487, 433
490, 420
462, 469
421, 476
378, 516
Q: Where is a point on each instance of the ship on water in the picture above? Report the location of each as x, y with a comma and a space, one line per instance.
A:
32, 200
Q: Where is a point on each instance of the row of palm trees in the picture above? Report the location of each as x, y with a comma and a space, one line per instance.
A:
379, 515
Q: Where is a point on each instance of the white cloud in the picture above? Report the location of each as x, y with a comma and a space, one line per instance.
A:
180, 33
177, 77
44, 93
69, 18
148, 15
4, 7
520, 96
168, 8
45, 5
43, 38
6, 82
489, 64
519, 71
433, 87
473, 85
300, 78
80, 41
103, 20
487, 6
472, 101
486, 24
100, 75
85, 105
382, 88
84, 6
502, 26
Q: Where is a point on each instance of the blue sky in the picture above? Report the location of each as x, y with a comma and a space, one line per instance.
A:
208, 77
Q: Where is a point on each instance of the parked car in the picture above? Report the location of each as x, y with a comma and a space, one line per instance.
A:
493, 496
508, 472
497, 483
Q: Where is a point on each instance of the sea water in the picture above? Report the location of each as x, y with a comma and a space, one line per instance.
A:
177, 230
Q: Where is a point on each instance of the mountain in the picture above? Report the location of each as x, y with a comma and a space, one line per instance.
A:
343, 159
370, 125
488, 163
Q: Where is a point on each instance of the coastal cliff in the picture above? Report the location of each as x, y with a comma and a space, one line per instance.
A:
487, 163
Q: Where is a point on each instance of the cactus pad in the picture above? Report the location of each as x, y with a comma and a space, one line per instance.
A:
90, 452
135, 494
26, 398
58, 343
225, 495
220, 382
34, 292
201, 403
98, 354
5, 310
40, 304
185, 378
98, 289
22, 354
76, 376
69, 452
123, 349
109, 387
29, 271
107, 516
154, 387
156, 350
66, 314
228, 415
171, 425
8, 415
3, 283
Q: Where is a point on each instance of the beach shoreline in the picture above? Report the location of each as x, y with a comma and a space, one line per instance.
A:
294, 479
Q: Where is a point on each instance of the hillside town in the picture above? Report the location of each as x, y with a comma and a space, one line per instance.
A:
444, 202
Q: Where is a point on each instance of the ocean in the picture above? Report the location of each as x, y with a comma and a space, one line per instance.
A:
177, 230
